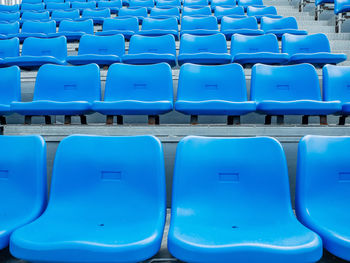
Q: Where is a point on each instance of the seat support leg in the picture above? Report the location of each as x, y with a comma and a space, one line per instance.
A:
231, 120
48, 119
27, 119
153, 119
317, 12
338, 22
120, 120
83, 119
194, 119
342, 120
67, 119
280, 119
2, 120
305, 120
268, 119
109, 119
323, 120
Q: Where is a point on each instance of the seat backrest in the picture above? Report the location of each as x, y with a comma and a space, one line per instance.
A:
114, 3
168, 3
231, 182
293, 44
55, 1
138, 12
197, 44
225, 11
199, 83
39, 6
139, 82
193, 23
254, 44
23, 177
9, 28
68, 83
268, 23
128, 23
9, 16
250, 2
190, 11
31, 1
264, 10
10, 85
69, 14
39, 27
227, 3
174, 11
165, 24
9, 8
336, 83
159, 45
102, 45
86, 26
102, 13
83, 5
34, 15
9, 47
55, 47
281, 84
340, 6
198, 3
322, 182
58, 6
141, 3
228, 23
111, 171
78, 1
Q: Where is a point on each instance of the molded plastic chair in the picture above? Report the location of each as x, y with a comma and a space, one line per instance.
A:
231, 202
114, 5
160, 27
98, 16
9, 16
243, 26
32, 7
102, 50
341, 6
83, 5
206, 50
280, 26
209, 90
39, 51
36, 29
314, 49
9, 48
141, 3
202, 11
335, 86
42, 16
322, 190
151, 50
8, 30
60, 15
137, 90
23, 182
206, 25
195, 3
161, 13
62, 90
10, 89
57, 6
54, 1
289, 90
31, 1
262, 11
9, 8
74, 30
221, 11
257, 49
127, 26
140, 13
223, 3
246, 3
167, 4
119, 176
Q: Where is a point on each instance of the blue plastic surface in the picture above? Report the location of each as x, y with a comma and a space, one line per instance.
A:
246, 3
243, 26
71, 91
195, 3
36, 29
57, 6
202, 11
9, 48
221, 11
9, 8
320, 2
209, 90
140, 13
98, 16
83, 5
8, 30
259, 12
137, 90
278, 91
23, 182
127, 26
151, 50
160, 27
10, 89
257, 49
206, 25
231, 203
9, 16
314, 49
341, 6
322, 190
114, 5
40, 51
73, 30
280, 26
141, 3
166, 4
119, 182
162, 13
32, 7
35, 15
206, 50
31, 1
60, 15
223, 3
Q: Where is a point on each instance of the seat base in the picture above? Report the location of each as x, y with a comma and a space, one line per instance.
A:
204, 58
149, 58
261, 57
318, 59
101, 60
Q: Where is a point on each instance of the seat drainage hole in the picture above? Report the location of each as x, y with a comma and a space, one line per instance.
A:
101, 225
234, 227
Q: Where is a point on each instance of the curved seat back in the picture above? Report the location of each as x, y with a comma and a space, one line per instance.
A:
138, 12
83, 5
197, 44
202, 11
226, 11
129, 23
69, 14
166, 24
9, 28
102, 13
159, 45
141, 3
259, 11
10, 86
195, 3
33, 7
9, 47
57, 6
39, 27
293, 44
9, 8
86, 26
55, 47
168, 3
268, 23
107, 4
254, 44
228, 23
102, 45
9, 16
34, 15
224, 3
336, 83
174, 11
193, 23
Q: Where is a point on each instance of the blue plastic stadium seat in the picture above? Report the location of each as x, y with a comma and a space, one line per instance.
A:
289, 90
43, 16
102, 50
243, 26
6, 17
23, 182
9, 8
201, 11
83, 5
280, 26
161, 13
195, 3
98, 16
60, 15
209, 90
314, 49
141, 3
260, 11
206, 25
77, 1
127, 26
39, 51
320, 2
206, 50
140, 13
137, 90
221, 11
74, 30
322, 190
32, 7
57, 6
257, 49
113, 5
246, 3
231, 203
7, 30
341, 6
166, 4
335, 86
31, 1
62, 90
9, 48
223, 3
54, 1
36, 29
10, 88
160, 27
119, 176
151, 50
